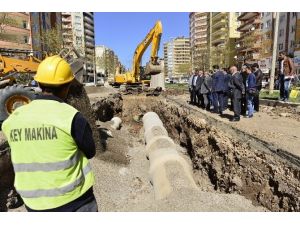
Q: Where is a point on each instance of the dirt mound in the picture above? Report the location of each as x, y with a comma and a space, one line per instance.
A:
108, 107
78, 98
279, 111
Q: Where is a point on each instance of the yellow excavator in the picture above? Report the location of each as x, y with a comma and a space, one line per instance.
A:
140, 75
13, 94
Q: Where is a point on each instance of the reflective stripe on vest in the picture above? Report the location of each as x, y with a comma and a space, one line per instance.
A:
47, 167
56, 191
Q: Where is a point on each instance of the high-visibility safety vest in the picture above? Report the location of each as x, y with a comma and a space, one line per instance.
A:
50, 171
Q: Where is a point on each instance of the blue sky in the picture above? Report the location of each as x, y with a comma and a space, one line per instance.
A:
122, 32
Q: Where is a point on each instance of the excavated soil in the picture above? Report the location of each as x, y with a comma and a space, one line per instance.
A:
225, 162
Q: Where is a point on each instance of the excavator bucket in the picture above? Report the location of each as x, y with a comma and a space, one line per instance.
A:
152, 69
76, 62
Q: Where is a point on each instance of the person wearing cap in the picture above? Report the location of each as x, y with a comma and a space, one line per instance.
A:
51, 143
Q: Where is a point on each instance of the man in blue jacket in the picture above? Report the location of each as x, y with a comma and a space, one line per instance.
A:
250, 90
218, 87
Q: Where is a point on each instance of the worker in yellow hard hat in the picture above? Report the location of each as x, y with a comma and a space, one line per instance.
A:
51, 143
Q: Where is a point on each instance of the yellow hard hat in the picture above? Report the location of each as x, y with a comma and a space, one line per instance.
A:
54, 71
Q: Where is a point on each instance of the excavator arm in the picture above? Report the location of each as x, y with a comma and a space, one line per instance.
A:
152, 68
153, 37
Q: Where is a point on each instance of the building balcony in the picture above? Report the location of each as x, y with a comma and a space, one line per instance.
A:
89, 44
220, 23
88, 20
11, 45
89, 38
218, 16
218, 32
248, 15
249, 24
219, 40
88, 26
90, 14
16, 30
89, 32
66, 19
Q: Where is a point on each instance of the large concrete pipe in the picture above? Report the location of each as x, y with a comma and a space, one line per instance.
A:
169, 171
116, 123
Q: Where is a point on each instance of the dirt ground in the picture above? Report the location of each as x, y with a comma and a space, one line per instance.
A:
278, 126
232, 176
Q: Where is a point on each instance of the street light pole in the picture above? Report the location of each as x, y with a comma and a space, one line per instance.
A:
275, 39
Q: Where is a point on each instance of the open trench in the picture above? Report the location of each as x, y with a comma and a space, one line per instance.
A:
224, 162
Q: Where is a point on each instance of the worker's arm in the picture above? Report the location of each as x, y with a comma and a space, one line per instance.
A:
83, 135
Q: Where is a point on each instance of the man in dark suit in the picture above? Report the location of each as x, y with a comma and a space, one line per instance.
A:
193, 89
243, 99
259, 77
218, 82
227, 77
238, 90
205, 90
199, 82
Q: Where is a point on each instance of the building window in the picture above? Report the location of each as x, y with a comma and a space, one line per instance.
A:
262, 14
282, 18
24, 24
292, 44
268, 13
280, 46
293, 29
262, 26
268, 24
25, 39
294, 14
281, 32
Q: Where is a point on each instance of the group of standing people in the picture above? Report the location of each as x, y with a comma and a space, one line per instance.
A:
212, 90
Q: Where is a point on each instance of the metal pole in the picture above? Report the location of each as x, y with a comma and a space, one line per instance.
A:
95, 77
275, 39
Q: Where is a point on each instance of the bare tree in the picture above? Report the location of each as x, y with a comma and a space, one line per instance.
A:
184, 68
51, 40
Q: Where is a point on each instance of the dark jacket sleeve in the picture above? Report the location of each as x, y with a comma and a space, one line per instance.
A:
251, 81
238, 83
83, 135
259, 78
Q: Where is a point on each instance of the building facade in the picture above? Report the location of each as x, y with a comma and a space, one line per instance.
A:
177, 58
15, 34
249, 45
107, 62
198, 38
42, 22
222, 35
78, 31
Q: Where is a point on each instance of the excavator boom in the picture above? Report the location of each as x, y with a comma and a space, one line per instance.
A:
153, 67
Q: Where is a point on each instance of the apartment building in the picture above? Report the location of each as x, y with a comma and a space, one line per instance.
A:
249, 45
177, 57
78, 31
221, 38
106, 61
198, 38
15, 31
288, 38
